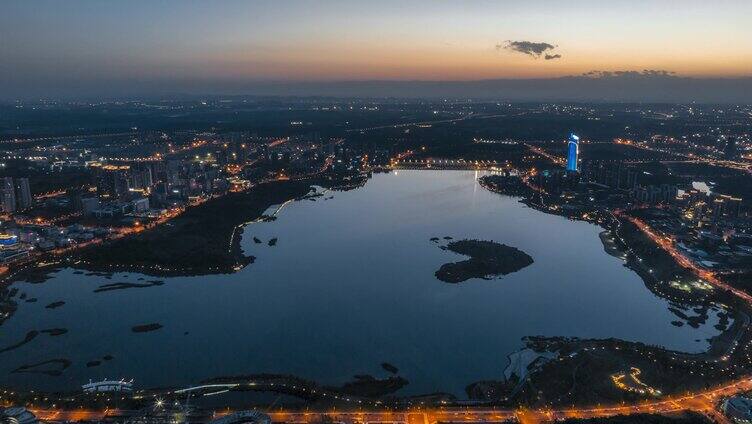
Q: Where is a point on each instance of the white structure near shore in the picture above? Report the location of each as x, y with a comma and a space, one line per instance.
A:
108, 386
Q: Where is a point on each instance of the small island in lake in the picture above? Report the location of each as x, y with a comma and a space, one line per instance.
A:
54, 305
487, 259
146, 328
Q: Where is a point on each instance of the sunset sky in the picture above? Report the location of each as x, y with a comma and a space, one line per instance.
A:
64, 42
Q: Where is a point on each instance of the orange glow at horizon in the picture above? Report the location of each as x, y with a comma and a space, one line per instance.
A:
396, 61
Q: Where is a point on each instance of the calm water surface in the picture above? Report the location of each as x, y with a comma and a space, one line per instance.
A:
349, 285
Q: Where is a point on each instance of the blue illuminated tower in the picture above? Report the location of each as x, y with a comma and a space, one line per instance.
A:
572, 152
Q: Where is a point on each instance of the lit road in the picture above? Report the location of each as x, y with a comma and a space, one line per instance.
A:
410, 124
470, 115
553, 158
63, 138
52, 194
667, 245
691, 157
702, 402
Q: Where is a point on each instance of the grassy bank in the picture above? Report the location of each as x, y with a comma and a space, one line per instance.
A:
200, 241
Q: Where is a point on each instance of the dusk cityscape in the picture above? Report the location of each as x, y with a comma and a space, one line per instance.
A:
396, 212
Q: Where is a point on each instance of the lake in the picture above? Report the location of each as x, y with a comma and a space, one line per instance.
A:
350, 284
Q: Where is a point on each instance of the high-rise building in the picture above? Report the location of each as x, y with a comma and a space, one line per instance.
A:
141, 177
9, 195
23, 193
112, 181
572, 152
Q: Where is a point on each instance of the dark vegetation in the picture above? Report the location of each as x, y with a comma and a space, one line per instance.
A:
196, 242
389, 367
29, 337
487, 259
123, 286
54, 331
369, 386
362, 386
146, 328
52, 367
45, 180
55, 305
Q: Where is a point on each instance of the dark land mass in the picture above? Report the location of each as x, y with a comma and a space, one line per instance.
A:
34, 274
680, 418
256, 240
98, 274
365, 387
273, 242
371, 387
123, 286
55, 331
203, 240
490, 389
29, 337
52, 367
54, 305
389, 367
487, 258
146, 328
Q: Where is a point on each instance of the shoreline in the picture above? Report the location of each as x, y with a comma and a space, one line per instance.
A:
731, 335
205, 240
621, 251
722, 347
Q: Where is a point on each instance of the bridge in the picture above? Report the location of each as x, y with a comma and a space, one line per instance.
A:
459, 164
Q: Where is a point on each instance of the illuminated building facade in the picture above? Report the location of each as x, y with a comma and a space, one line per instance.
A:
8, 240
10, 249
572, 152
112, 181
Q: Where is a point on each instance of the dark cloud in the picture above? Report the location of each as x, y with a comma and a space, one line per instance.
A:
552, 56
529, 48
634, 74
